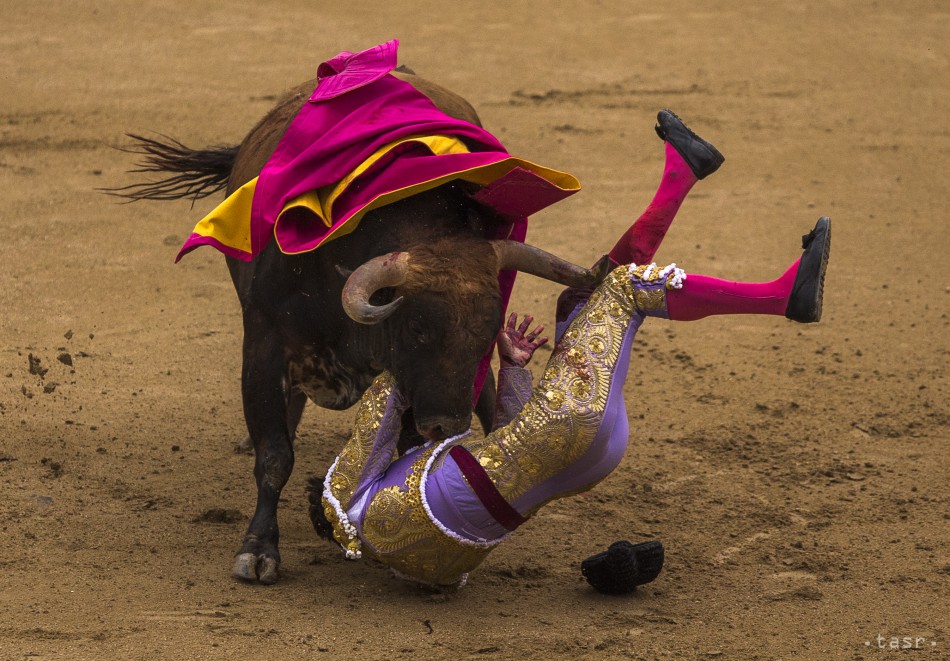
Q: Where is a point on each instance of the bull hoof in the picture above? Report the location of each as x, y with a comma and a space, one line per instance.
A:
258, 568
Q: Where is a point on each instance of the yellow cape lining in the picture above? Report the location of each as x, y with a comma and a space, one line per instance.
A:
229, 222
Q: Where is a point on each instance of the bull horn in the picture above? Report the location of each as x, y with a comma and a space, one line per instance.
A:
528, 259
387, 270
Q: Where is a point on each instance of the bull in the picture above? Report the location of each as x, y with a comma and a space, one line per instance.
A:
412, 290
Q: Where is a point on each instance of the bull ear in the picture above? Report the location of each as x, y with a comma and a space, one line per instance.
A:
387, 270
342, 270
529, 259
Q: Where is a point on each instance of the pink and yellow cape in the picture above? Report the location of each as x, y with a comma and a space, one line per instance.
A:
365, 139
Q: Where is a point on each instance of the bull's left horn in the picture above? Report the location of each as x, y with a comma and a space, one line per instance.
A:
387, 270
529, 259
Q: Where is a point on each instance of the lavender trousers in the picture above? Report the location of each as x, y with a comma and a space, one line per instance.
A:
449, 496
435, 514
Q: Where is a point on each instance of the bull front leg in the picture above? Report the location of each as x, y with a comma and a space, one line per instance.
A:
296, 402
264, 391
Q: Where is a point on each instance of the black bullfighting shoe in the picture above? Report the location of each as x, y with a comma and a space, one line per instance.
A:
804, 303
623, 566
701, 157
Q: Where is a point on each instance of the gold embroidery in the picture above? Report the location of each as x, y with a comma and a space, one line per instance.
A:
559, 422
401, 534
554, 429
353, 460
640, 273
651, 300
492, 458
580, 389
396, 525
369, 417
596, 345
555, 399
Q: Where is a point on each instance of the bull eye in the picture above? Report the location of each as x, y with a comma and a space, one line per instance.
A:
417, 329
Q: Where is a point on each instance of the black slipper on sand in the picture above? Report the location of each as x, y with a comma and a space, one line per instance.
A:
623, 566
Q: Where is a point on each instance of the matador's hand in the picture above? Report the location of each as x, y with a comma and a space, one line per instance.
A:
515, 348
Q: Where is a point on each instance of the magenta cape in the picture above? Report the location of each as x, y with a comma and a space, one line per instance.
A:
357, 109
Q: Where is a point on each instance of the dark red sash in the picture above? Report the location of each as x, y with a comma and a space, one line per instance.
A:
483, 487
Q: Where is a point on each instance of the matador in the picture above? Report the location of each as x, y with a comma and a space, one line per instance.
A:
436, 512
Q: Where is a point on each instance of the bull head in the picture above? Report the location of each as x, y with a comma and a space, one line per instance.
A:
391, 270
443, 316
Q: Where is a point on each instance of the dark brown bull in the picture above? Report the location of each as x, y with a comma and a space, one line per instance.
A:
419, 298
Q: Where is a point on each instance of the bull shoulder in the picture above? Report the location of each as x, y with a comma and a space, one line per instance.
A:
262, 140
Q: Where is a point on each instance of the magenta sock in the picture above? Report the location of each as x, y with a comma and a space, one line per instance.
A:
639, 244
703, 296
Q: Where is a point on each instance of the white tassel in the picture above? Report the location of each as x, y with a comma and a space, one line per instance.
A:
348, 527
675, 276
677, 279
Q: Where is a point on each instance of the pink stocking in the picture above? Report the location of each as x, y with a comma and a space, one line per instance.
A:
639, 244
703, 296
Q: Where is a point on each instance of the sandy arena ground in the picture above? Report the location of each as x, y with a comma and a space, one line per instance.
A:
796, 474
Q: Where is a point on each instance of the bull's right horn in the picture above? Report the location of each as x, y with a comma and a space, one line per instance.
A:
387, 270
529, 259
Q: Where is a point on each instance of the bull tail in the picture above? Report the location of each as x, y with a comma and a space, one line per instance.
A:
190, 173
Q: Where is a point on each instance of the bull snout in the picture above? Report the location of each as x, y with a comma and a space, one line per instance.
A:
439, 428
